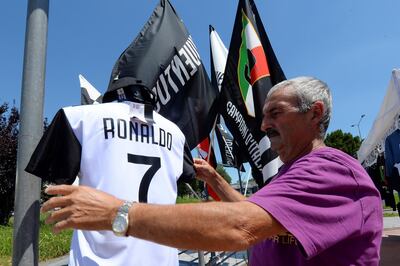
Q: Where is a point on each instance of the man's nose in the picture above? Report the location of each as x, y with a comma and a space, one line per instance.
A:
266, 123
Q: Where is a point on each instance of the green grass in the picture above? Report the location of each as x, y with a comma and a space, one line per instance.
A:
5, 245
187, 200
50, 245
394, 214
5, 261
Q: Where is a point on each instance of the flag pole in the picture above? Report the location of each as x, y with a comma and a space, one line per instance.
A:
193, 191
200, 253
240, 178
211, 142
27, 187
247, 182
212, 254
204, 183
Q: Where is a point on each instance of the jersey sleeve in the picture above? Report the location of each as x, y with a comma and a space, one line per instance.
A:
57, 157
188, 172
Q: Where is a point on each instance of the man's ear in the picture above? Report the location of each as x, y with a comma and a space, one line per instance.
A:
317, 110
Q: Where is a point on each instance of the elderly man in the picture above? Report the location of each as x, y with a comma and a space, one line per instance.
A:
320, 209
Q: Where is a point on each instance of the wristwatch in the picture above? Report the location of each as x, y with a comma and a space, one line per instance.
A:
121, 220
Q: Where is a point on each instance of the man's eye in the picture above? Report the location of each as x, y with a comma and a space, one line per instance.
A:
275, 114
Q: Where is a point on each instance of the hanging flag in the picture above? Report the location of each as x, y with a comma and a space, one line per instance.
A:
205, 149
251, 70
230, 153
206, 152
218, 57
165, 58
228, 147
89, 94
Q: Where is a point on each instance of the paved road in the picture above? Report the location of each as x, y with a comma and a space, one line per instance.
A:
391, 222
390, 248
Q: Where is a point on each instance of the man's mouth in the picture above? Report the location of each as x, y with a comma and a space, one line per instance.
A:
271, 133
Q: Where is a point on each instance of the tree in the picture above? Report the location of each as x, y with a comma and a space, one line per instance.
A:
9, 128
221, 170
198, 186
345, 142
183, 190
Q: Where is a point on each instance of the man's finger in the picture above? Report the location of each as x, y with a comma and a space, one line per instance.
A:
53, 203
60, 189
58, 215
61, 225
199, 161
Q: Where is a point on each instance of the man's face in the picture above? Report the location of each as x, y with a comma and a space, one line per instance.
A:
289, 131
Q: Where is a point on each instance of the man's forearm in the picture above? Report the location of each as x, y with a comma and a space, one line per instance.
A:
203, 226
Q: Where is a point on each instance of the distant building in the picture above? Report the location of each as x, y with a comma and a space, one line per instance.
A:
251, 187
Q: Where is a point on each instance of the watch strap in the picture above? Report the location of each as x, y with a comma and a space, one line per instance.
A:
123, 212
124, 208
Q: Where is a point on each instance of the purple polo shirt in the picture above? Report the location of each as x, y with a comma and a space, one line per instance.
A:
331, 208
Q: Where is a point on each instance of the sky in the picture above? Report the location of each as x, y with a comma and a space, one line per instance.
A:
352, 45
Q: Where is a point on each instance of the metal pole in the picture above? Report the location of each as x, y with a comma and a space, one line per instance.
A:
27, 187
240, 177
202, 261
247, 183
204, 183
358, 126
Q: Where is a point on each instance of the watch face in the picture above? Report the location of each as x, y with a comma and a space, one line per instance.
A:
120, 224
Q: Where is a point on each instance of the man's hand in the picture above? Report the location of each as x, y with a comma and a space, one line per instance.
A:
204, 171
80, 207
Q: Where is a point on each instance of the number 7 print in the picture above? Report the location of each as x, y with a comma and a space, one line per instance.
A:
155, 164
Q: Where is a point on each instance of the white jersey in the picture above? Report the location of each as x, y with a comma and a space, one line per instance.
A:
123, 149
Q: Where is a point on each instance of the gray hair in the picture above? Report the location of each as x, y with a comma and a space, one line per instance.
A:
309, 90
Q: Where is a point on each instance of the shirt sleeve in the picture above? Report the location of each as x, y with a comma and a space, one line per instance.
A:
314, 201
57, 157
188, 172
